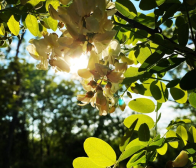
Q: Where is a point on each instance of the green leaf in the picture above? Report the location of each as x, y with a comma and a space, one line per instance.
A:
173, 83
142, 119
132, 71
172, 134
188, 82
2, 29
179, 95
136, 159
147, 5
126, 8
160, 2
170, 12
179, 21
34, 2
13, 25
144, 132
85, 162
142, 54
54, 3
133, 147
192, 99
167, 64
151, 60
126, 138
163, 149
52, 23
192, 134
168, 23
183, 34
32, 24
142, 105
159, 91
100, 152
158, 106
181, 131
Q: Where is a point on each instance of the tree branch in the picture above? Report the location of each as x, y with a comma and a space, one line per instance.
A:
135, 24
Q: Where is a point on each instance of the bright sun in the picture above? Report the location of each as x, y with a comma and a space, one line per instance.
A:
78, 63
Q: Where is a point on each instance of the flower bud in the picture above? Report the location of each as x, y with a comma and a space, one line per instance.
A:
90, 94
134, 90
61, 24
108, 85
112, 109
129, 94
181, 160
92, 83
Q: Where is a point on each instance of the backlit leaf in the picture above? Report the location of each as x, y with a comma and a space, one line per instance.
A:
142, 119
192, 134
181, 131
173, 83
100, 152
142, 105
13, 25
192, 99
133, 147
144, 132
126, 138
136, 159
32, 24
160, 2
85, 162
159, 91
163, 149
142, 54
126, 8
2, 29
178, 94
170, 134
52, 23
54, 3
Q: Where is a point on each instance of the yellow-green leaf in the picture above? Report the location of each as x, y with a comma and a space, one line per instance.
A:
132, 71
85, 162
178, 94
32, 24
54, 3
34, 2
159, 91
100, 152
52, 23
192, 131
2, 29
142, 105
181, 131
13, 25
171, 134
133, 147
192, 99
163, 149
141, 119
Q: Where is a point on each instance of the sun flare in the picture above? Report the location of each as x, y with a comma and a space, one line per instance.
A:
78, 63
